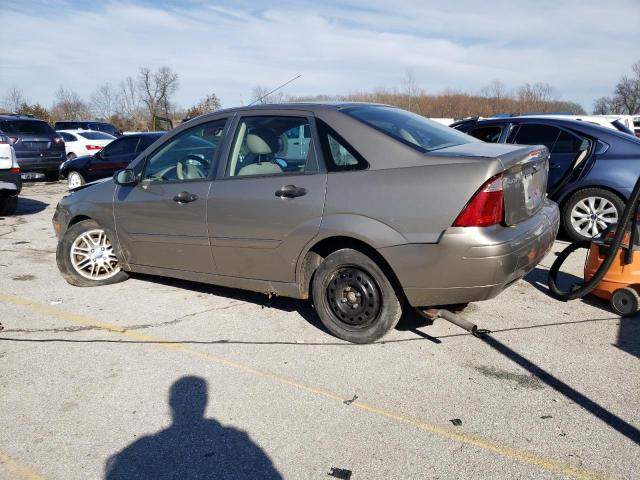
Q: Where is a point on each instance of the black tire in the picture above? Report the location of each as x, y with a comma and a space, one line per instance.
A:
351, 275
71, 174
577, 197
8, 204
52, 176
71, 156
625, 301
66, 267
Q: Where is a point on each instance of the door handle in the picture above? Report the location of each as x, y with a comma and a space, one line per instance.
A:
291, 191
185, 197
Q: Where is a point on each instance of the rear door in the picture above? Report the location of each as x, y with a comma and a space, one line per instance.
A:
161, 221
115, 156
566, 148
267, 202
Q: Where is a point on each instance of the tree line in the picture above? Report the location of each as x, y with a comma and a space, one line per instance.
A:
131, 104
134, 102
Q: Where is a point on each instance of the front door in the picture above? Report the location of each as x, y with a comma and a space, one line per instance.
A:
268, 203
161, 221
115, 156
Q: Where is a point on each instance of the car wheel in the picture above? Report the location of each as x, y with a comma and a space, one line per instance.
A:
52, 176
71, 156
8, 204
590, 211
74, 180
354, 298
86, 258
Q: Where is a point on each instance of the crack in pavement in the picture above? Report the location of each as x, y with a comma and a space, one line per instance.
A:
125, 328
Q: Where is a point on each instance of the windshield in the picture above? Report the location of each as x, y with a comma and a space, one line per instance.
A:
409, 128
96, 136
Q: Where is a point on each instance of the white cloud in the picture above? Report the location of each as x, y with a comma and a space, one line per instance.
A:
580, 47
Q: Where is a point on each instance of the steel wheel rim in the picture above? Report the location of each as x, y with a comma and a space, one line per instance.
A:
591, 215
92, 256
74, 180
353, 297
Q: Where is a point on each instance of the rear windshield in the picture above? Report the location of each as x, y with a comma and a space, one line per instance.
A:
96, 136
26, 126
414, 130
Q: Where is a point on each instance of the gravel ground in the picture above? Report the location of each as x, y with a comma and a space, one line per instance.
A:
159, 378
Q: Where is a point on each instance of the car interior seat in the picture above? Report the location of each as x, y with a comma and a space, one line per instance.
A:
262, 144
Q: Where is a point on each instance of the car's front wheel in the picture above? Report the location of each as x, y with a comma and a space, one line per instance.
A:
74, 180
354, 298
71, 156
590, 211
86, 258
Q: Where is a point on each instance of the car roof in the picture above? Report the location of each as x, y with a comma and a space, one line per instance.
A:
11, 116
311, 106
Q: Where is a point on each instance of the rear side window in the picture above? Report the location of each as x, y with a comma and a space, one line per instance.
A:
487, 134
532, 134
67, 137
96, 135
411, 129
338, 154
32, 127
567, 143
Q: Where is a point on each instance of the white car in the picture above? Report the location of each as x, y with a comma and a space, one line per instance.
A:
84, 142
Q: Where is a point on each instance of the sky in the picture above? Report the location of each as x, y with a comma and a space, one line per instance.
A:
580, 47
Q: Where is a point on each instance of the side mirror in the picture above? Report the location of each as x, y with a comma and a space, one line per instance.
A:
125, 177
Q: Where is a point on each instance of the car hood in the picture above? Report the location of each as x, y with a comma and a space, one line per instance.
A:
76, 162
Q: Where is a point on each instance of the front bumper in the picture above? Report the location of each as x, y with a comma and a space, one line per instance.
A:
470, 264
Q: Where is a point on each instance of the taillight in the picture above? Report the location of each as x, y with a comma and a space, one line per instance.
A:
94, 147
58, 140
485, 208
15, 170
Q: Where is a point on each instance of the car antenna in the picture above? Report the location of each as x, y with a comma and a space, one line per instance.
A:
275, 90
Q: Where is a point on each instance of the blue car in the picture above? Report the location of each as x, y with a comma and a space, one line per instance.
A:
592, 169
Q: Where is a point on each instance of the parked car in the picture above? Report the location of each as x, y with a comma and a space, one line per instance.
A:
105, 162
592, 168
38, 148
88, 125
388, 209
10, 181
84, 142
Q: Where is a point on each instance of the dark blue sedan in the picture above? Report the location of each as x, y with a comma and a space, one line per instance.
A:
592, 169
115, 156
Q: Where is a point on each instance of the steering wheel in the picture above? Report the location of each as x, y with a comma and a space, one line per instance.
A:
192, 164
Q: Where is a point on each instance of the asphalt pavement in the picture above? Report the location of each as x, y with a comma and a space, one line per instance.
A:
161, 378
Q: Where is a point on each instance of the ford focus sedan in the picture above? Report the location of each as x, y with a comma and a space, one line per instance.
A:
381, 211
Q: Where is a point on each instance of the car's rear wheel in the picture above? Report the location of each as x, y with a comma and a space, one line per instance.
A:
8, 204
75, 179
354, 298
71, 156
86, 258
590, 211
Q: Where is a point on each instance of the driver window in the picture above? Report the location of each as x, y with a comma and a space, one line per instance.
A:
269, 146
187, 156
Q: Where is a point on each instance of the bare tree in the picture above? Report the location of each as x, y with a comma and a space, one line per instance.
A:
627, 92
535, 97
69, 106
260, 95
157, 89
410, 88
494, 90
13, 100
104, 101
210, 103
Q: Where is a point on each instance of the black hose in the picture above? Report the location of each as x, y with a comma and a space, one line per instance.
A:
587, 287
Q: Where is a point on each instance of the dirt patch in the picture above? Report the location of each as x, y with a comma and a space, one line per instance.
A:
523, 380
23, 278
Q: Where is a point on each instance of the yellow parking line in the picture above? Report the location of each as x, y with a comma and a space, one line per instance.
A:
12, 466
519, 455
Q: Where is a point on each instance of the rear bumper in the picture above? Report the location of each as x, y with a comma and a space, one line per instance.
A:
472, 264
10, 183
41, 164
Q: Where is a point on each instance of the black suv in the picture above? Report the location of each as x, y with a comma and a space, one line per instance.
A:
88, 125
39, 149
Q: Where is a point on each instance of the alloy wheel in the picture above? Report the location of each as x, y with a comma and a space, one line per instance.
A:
92, 256
74, 180
591, 215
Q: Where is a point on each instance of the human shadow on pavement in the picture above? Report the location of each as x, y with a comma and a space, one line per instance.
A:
192, 447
